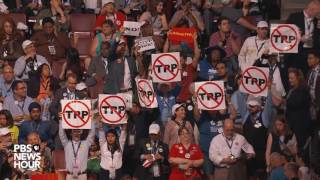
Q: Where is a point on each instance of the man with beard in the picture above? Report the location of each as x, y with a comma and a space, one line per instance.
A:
35, 125
122, 72
255, 130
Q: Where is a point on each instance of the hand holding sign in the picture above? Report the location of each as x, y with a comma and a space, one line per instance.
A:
131, 28
284, 38
112, 109
76, 114
255, 81
147, 96
210, 95
166, 67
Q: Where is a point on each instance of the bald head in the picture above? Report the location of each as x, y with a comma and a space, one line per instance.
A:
8, 74
228, 128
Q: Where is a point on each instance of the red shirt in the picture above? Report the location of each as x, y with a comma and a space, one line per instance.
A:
179, 151
118, 16
187, 77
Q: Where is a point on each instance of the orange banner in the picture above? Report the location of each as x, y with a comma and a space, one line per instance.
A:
177, 35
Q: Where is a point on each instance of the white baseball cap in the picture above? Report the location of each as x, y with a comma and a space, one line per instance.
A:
262, 24
22, 26
154, 129
26, 43
175, 107
81, 86
104, 2
4, 131
254, 101
225, 2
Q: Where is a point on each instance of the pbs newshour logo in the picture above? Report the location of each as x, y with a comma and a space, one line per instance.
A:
26, 156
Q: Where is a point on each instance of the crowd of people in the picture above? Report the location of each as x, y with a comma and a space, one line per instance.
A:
276, 137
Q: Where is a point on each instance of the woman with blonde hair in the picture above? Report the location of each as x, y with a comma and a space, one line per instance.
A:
281, 140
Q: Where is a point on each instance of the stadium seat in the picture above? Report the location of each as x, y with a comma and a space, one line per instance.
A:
83, 46
58, 160
82, 22
17, 17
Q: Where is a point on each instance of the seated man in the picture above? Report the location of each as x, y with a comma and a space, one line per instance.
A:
36, 125
6, 82
28, 64
51, 44
18, 102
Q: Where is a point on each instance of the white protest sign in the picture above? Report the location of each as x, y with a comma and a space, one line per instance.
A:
112, 109
284, 38
76, 114
166, 67
210, 95
147, 96
131, 28
145, 43
255, 81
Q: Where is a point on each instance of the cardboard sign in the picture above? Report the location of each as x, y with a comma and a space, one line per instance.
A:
112, 109
177, 35
166, 67
284, 38
255, 81
210, 95
145, 43
147, 96
76, 114
131, 28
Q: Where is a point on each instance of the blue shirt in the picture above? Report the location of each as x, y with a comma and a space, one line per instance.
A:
17, 108
5, 89
278, 174
208, 129
42, 128
206, 71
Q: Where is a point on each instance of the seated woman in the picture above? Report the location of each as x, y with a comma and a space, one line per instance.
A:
10, 41
281, 139
6, 121
43, 84
156, 17
186, 158
177, 121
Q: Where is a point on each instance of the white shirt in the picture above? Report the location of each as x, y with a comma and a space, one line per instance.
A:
127, 76
252, 49
219, 148
107, 162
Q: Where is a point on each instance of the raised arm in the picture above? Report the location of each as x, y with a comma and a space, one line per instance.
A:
268, 150
62, 135
90, 138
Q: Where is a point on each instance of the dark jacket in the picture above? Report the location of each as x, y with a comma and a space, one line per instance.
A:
298, 19
298, 114
162, 149
55, 106
116, 74
34, 86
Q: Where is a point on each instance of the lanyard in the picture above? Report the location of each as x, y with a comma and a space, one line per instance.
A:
165, 101
45, 86
7, 89
22, 106
229, 144
75, 152
258, 48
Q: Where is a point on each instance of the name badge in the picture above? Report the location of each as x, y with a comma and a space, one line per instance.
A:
52, 50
